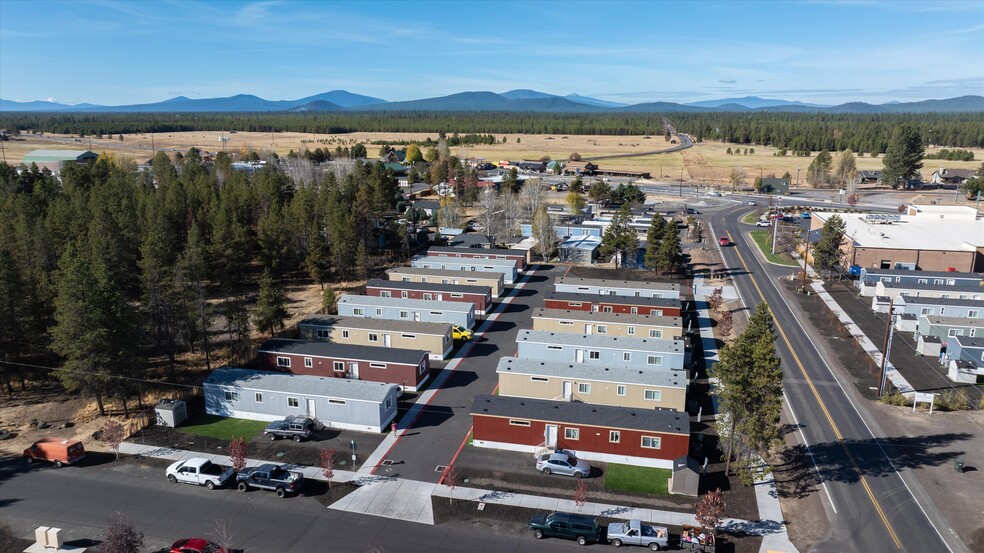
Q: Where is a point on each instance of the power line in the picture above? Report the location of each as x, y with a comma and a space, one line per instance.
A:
101, 375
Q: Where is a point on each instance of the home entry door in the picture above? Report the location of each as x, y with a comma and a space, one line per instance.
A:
354, 370
568, 389
579, 356
416, 316
386, 340
550, 435
587, 328
310, 409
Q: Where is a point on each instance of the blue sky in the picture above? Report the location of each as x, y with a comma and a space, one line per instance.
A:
109, 52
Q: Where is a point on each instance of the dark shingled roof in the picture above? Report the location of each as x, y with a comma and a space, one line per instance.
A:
344, 351
427, 286
483, 251
666, 421
620, 300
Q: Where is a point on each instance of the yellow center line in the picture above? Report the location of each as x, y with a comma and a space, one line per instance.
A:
823, 407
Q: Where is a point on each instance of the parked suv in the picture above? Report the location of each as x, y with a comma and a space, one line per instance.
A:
582, 528
296, 427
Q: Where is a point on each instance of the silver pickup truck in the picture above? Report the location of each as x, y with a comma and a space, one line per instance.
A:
634, 532
199, 471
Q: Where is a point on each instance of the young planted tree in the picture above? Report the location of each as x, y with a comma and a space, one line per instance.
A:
827, 252
222, 534
271, 306
711, 509
580, 494
450, 478
238, 451
726, 323
903, 157
619, 239
328, 464
113, 434
120, 536
716, 299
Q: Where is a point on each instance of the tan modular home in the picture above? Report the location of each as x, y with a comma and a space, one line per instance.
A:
616, 386
495, 281
612, 324
434, 338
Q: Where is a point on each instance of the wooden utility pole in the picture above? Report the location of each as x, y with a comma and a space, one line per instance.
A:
886, 348
806, 260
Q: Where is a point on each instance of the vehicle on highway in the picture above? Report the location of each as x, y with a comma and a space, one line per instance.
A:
200, 472
714, 194
270, 477
294, 427
196, 545
463, 334
763, 224
55, 450
692, 211
582, 528
724, 241
751, 202
693, 538
562, 462
634, 532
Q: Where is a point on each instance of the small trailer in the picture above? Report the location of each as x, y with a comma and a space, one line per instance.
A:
694, 538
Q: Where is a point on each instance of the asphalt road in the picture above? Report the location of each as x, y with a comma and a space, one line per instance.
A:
80, 500
873, 502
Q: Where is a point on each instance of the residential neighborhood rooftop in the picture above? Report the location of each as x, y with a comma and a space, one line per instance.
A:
343, 388
376, 301
464, 260
975, 342
655, 345
584, 371
343, 351
427, 286
488, 251
367, 323
921, 274
607, 283
653, 420
620, 300
426, 271
602, 317
953, 321
930, 287
923, 300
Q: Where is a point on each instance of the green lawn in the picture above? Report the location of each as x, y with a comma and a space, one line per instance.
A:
626, 478
222, 428
751, 217
763, 239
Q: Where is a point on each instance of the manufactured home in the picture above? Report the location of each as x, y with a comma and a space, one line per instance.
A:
625, 288
506, 267
565, 230
895, 289
434, 338
870, 277
399, 309
478, 296
945, 327
966, 351
608, 351
439, 276
948, 307
594, 384
268, 396
661, 307
407, 367
519, 257
612, 324
624, 435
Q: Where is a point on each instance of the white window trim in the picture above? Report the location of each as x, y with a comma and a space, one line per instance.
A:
517, 422
584, 388
573, 434
258, 397
614, 436
280, 361
621, 390
659, 442
658, 395
295, 401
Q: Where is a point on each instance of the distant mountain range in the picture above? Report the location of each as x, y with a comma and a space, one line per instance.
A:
520, 100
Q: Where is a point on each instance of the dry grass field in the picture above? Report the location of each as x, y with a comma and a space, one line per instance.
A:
706, 162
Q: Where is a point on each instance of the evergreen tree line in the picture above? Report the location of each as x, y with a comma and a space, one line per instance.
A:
864, 133
109, 266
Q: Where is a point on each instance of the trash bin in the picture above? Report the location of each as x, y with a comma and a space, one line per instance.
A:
958, 465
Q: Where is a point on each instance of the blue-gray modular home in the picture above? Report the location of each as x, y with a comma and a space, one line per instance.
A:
948, 307
965, 358
961, 292
945, 327
610, 351
267, 396
438, 276
565, 231
400, 309
870, 277
506, 267
626, 288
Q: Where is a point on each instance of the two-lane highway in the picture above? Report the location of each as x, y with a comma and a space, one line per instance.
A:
874, 504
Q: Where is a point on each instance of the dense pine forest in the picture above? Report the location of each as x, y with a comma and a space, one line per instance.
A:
866, 133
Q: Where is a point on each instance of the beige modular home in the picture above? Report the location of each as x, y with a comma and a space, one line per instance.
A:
615, 386
611, 324
434, 338
495, 281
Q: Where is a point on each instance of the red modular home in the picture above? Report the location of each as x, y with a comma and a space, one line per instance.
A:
660, 307
479, 296
521, 257
643, 437
407, 367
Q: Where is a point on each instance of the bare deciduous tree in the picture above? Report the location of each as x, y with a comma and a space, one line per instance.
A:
328, 464
113, 434
544, 233
121, 537
580, 494
491, 207
238, 452
710, 509
222, 534
450, 479
300, 170
531, 196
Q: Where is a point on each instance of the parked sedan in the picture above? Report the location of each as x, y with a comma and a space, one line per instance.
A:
763, 224
562, 462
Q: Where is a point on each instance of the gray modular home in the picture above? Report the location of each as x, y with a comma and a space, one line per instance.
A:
945, 327
965, 358
610, 351
949, 307
960, 292
268, 396
627, 288
506, 267
466, 278
427, 311
565, 231
871, 277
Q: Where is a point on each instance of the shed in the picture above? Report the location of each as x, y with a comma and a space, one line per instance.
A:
427, 311
269, 396
685, 479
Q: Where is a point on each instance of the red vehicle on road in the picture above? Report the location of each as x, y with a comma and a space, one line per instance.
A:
196, 545
724, 241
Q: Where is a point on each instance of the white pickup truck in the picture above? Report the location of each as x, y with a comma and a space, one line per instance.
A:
199, 471
634, 532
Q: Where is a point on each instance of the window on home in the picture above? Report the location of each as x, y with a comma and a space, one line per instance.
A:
231, 396
926, 311
404, 295
515, 422
345, 334
606, 309
338, 366
631, 331
657, 312
407, 279
539, 379
437, 313
293, 402
322, 333
655, 333
388, 403
566, 323
373, 337
378, 365
651, 442
386, 294
379, 312
457, 295
922, 281
955, 332
308, 362
583, 388
404, 314
654, 360
626, 356
602, 329
654, 395
972, 314
283, 361
409, 336
594, 355
634, 310
359, 311
574, 304
555, 347
428, 296
572, 433
614, 436
259, 397
336, 402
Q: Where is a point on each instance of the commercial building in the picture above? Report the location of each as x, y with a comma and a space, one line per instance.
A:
441, 276
640, 437
624, 288
660, 307
505, 266
434, 338
607, 351
612, 324
478, 296
56, 159
268, 396
399, 309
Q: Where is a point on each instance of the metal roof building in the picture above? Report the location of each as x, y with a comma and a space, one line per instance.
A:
50, 157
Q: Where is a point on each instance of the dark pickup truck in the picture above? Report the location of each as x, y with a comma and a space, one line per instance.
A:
270, 477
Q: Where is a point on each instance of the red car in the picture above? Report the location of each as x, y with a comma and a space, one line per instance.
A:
724, 241
196, 545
